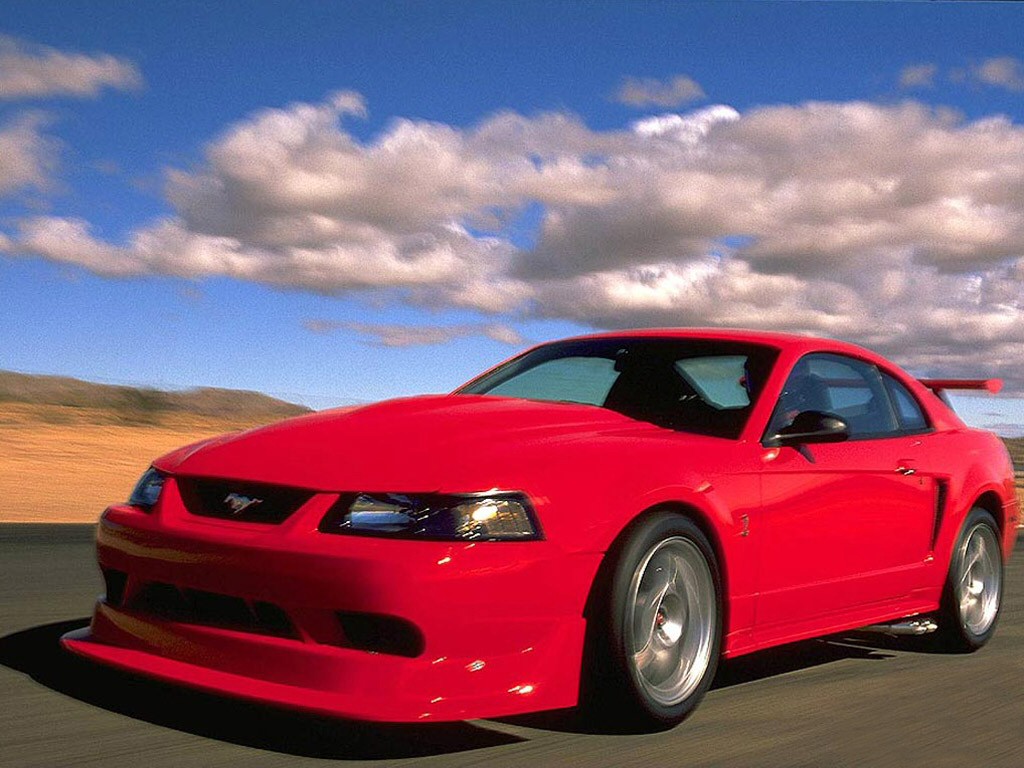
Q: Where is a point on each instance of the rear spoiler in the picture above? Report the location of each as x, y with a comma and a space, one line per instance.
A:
939, 386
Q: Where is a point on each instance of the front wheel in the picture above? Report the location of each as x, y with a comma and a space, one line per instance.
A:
974, 587
660, 633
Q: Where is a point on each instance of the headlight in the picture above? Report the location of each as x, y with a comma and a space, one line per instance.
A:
147, 490
477, 517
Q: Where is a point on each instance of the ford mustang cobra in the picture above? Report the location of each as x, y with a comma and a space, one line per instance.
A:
595, 522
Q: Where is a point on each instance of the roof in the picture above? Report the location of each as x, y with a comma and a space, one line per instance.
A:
771, 338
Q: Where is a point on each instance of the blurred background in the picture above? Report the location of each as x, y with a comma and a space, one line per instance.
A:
333, 204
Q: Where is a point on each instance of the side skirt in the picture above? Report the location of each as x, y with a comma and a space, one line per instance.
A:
768, 637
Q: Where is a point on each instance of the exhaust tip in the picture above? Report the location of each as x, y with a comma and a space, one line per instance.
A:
909, 627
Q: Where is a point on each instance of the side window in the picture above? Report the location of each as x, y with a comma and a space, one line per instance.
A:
573, 379
908, 411
841, 385
719, 380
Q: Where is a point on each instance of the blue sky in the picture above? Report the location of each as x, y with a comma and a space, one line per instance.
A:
336, 202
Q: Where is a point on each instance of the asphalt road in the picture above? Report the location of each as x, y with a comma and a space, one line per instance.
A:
851, 701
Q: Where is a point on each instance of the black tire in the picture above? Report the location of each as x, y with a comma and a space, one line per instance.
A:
967, 621
622, 686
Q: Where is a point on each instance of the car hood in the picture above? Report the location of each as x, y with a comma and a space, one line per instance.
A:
419, 444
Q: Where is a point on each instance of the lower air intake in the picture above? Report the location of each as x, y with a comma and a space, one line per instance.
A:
381, 634
193, 606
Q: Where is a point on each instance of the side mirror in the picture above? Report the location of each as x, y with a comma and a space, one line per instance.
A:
813, 427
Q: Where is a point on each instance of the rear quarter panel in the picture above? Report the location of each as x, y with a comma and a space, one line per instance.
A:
980, 473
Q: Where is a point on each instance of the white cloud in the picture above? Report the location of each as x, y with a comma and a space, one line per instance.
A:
32, 71
1000, 72
901, 226
918, 76
388, 335
506, 334
27, 155
68, 241
649, 91
687, 129
956, 324
348, 103
168, 247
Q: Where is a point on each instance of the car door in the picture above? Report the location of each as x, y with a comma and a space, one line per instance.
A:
844, 525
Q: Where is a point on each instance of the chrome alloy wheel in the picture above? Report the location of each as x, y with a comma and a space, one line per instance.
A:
671, 620
980, 579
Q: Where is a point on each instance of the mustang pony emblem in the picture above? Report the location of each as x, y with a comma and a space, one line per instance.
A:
239, 502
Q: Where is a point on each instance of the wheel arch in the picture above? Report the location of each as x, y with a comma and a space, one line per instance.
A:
701, 518
604, 689
992, 503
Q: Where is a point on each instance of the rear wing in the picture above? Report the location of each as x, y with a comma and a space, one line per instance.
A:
940, 386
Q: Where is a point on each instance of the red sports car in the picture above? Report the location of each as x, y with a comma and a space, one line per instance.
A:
596, 522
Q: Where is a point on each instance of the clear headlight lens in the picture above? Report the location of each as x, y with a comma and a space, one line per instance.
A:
147, 490
483, 517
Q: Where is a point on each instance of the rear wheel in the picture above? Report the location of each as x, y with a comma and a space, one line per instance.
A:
974, 587
659, 637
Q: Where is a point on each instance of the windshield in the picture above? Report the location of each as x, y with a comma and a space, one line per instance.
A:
701, 386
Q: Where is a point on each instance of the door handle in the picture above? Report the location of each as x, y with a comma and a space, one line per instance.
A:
906, 467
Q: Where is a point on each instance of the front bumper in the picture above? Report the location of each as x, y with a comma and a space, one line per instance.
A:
501, 623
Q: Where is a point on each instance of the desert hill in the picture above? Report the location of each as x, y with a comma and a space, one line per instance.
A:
142, 404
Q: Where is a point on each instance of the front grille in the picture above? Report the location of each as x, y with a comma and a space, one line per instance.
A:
242, 502
194, 606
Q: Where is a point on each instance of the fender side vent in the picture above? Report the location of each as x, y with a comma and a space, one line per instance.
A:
941, 493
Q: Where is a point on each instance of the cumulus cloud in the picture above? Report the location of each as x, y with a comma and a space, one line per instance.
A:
651, 92
900, 226
931, 322
32, 71
1001, 72
387, 335
27, 155
918, 76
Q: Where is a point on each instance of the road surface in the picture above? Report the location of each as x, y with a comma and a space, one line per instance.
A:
853, 701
